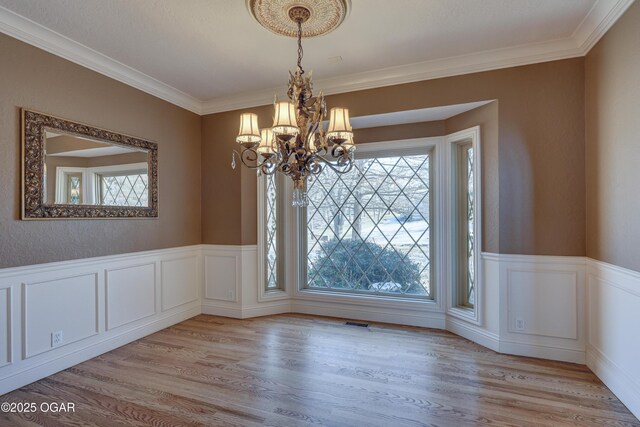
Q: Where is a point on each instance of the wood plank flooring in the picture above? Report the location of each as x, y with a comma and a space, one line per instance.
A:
297, 370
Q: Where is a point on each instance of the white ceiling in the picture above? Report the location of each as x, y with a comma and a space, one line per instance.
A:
210, 55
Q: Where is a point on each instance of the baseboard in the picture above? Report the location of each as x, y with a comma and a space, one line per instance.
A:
424, 319
237, 311
213, 309
562, 354
616, 379
110, 342
473, 333
267, 308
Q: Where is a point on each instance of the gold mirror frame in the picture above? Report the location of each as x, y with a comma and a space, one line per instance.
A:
34, 126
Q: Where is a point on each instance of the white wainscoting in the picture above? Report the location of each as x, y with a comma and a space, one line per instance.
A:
613, 352
230, 286
543, 307
546, 293
66, 303
5, 326
98, 304
131, 294
181, 279
562, 308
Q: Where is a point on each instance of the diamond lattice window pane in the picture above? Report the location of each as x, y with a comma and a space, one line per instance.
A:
271, 230
125, 190
74, 189
369, 231
471, 294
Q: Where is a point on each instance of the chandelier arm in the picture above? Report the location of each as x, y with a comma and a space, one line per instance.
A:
268, 167
338, 151
339, 167
250, 155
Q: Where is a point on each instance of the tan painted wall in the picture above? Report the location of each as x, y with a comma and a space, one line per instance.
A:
407, 131
613, 144
487, 117
34, 79
540, 151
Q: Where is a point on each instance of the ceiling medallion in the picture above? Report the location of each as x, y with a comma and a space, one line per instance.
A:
323, 16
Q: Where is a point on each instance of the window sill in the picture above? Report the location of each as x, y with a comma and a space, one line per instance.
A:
272, 295
369, 300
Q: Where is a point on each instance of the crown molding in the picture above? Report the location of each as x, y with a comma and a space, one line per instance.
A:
447, 67
598, 21
601, 17
42, 37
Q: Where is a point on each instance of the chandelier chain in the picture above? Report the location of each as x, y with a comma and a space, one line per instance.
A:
300, 51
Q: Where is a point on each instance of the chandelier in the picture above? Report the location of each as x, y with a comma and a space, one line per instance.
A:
297, 144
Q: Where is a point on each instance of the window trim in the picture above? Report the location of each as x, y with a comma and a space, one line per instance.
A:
453, 141
282, 291
391, 148
61, 191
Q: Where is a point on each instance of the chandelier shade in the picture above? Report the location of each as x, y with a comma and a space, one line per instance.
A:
339, 125
249, 133
284, 121
267, 147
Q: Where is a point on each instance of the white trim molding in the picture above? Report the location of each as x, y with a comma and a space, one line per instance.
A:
452, 141
600, 18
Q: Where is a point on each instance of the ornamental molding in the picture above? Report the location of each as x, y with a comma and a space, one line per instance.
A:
275, 15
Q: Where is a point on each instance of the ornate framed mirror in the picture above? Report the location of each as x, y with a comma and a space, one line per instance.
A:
72, 170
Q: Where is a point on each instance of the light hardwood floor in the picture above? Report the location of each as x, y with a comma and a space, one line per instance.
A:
295, 370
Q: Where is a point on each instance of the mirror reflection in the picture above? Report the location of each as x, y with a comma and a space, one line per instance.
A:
82, 171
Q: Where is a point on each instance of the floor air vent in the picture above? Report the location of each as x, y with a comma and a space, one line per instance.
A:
362, 325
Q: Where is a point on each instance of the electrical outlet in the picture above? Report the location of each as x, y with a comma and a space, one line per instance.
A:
232, 295
519, 324
57, 338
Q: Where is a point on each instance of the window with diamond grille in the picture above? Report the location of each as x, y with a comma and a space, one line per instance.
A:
369, 231
124, 189
74, 188
466, 226
271, 232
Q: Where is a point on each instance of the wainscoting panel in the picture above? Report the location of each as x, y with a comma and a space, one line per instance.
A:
543, 311
5, 327
131, 294
614, 330
543, 303
97, 303
67, 305
222, 276
180, 282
